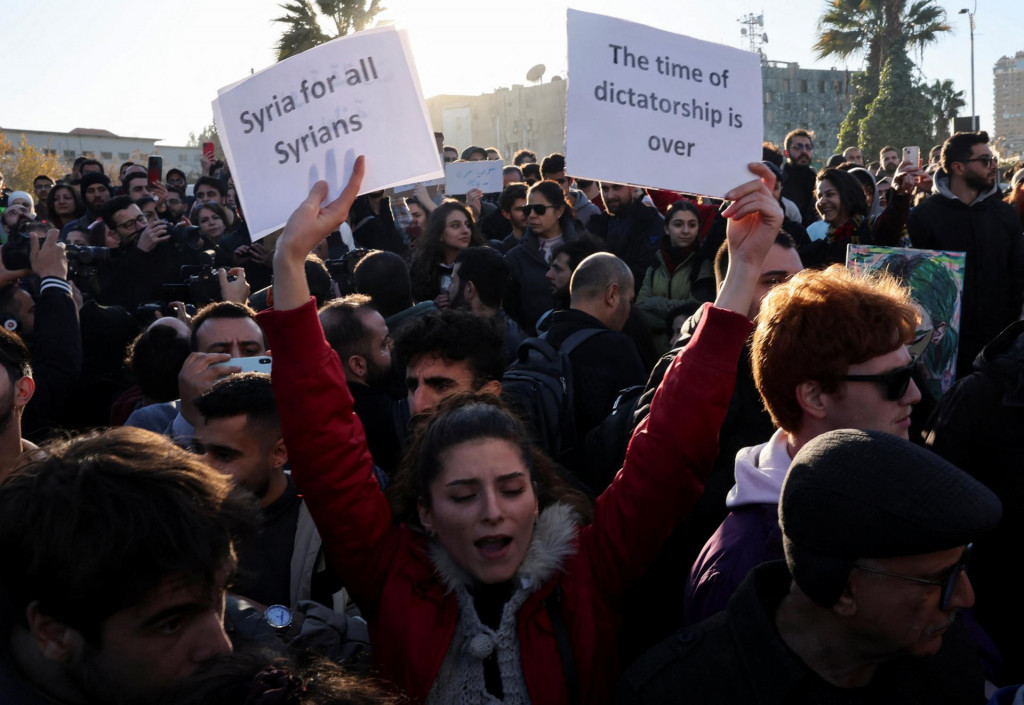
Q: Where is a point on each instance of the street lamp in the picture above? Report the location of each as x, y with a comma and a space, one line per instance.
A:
970, 17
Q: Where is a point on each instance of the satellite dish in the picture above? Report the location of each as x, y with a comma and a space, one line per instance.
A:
536, 73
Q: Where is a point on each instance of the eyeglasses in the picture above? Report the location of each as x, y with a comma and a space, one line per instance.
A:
986, 160
539, 209
948, 584
895, 383
134, 222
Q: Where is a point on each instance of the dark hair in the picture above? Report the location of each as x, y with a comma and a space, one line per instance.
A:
488, 271
176, 170
113, 516
92, 162
529, 170
144, 200
770, 153
851, 194
798, 133
521, 154
782, 239
554, 195
248, 394
318, 278
454, 336
835, 161
576, 251
425, 269
343, 328
14, 355
467, 417
958, 148
113, 206
134, 176
155, 358
51, 209
552, 164
682, 204
255, 675
211, 181
218, 309
215, 208
511, 194
384, 277
42, 176
886, 148
512, 168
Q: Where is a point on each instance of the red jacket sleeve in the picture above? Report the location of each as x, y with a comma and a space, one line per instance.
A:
669, 457
327, 451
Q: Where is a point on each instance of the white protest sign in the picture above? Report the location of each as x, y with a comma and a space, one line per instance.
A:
460, 177
652, 108
307, 118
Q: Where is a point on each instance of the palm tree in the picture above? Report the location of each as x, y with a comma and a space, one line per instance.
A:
873, 27
946, 103
305, 19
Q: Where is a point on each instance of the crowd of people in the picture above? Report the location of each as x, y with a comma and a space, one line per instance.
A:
570, 442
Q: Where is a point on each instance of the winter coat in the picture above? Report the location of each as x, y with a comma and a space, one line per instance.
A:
748, 537
529, 292
669, 285
977, 427
631, 235
387, 566
988, 231
738, 656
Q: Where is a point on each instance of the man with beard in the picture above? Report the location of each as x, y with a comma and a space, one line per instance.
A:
478, 284
16, 389
92, 612
889, 157
966, 213
358, 333
630, 229
95, 188
240, 435
799, 184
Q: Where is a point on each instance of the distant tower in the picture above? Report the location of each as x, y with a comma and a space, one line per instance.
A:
753, 32
1009, 104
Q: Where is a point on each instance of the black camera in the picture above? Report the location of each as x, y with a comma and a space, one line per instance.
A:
14, 254
200, 285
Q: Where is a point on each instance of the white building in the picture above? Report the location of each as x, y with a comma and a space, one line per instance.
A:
108, 148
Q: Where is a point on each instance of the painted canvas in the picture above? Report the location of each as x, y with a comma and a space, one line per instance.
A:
936, 280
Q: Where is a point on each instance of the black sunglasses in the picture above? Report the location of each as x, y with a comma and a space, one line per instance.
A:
895, 383
948, 584
539, 209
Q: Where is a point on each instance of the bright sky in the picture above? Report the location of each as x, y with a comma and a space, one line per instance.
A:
153, 71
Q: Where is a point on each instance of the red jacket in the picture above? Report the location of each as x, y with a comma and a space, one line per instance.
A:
386, 568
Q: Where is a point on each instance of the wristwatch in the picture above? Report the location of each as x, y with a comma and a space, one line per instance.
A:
278, 617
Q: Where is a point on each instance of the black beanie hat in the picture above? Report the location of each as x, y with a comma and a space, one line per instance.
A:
866, 494
93, 178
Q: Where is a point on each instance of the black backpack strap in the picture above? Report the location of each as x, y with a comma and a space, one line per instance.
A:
574, 340
553, 603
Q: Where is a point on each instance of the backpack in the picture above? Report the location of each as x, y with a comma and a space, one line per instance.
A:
539, 385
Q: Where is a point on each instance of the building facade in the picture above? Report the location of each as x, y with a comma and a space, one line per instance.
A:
109, 149
1008, 76
814, 99
534, 116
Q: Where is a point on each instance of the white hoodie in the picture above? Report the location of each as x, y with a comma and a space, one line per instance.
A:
760, 471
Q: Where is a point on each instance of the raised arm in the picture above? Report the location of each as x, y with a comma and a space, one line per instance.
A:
326, 444
672, 452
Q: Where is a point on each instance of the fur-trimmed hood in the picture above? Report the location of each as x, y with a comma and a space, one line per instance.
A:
553, 541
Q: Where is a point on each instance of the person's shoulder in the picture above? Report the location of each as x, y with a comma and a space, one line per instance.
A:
687, 666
